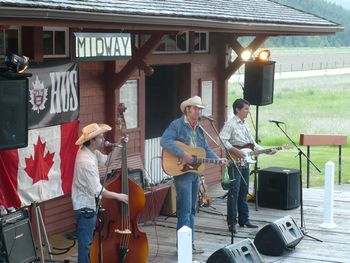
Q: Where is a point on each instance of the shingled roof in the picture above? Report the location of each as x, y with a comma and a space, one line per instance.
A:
226, 15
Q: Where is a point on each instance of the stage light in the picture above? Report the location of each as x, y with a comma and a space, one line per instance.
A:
16, 63
264, 55
246, 55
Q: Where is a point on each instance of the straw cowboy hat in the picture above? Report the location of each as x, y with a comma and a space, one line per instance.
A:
91, 131
193, 101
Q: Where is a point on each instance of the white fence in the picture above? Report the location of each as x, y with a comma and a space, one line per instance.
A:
153, 162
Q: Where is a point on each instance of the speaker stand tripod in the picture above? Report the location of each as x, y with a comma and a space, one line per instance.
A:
301, 153
40, 226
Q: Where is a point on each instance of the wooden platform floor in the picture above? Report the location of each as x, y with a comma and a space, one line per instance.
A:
212, 233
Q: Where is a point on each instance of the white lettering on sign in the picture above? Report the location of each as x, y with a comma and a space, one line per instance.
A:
102, 46
64, 96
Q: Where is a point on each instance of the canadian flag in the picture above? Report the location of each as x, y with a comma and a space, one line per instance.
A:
41, 171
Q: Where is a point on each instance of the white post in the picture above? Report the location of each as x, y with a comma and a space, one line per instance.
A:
328, 196
184, 245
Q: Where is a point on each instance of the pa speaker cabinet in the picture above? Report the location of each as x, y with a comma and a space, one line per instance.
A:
14, 113
279, 188
278, 237
241, 252
17, 244
259, 82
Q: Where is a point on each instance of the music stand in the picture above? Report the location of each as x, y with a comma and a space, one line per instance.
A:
300, 154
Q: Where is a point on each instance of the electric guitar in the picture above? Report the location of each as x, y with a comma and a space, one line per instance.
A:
172, 165
250, 153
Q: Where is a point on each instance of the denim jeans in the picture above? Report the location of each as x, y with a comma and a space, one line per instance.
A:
187, 187
85, 229
237, 196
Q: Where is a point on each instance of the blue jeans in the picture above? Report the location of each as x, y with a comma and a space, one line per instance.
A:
85, 229
237, 196
187, 187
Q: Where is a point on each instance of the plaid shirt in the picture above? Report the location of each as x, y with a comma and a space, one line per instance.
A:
237, 133
86, 181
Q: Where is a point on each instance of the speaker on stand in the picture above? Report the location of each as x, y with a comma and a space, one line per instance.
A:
13, 102
259, 82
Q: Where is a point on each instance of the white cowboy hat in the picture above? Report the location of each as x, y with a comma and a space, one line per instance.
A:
193, 101
91, 131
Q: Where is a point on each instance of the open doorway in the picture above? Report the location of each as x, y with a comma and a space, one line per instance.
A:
165, 90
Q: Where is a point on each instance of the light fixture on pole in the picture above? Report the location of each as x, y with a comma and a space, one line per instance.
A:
264, 55
246, 55
16, 63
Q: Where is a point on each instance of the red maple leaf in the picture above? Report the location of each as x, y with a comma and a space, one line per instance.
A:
38, 167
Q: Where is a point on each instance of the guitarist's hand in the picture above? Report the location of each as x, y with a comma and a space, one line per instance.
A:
240, 154
187, 158
273, 151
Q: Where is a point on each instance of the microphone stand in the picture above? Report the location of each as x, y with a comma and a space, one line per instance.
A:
232, 161
300, 154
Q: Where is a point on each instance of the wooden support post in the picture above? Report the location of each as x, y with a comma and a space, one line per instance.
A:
237, 47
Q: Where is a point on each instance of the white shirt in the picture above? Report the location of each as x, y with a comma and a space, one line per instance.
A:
86, 181
237, 133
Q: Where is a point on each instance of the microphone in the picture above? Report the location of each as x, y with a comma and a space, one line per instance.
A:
206, 118
277, 122
111, 144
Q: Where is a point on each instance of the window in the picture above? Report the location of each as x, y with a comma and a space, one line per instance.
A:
56, 42
10, 41
172, 44
201, 42
207, 96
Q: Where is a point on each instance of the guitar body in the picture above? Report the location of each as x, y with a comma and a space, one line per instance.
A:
246, 149
172, 165
113, 242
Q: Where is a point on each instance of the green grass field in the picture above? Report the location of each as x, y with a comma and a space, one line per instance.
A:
316, 105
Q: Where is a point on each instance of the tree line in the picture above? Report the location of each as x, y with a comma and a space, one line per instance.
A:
322, 8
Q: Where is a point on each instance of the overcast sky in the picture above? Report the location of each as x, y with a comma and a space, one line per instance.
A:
343, 3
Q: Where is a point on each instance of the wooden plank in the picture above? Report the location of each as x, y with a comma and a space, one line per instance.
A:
322, 139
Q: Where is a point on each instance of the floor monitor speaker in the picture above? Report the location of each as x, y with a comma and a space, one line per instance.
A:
279, 188
241, 252
278, 237
259, 82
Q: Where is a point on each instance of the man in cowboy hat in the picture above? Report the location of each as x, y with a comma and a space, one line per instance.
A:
87, 187
187, 130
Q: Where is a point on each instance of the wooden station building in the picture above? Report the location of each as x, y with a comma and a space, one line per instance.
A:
179, 48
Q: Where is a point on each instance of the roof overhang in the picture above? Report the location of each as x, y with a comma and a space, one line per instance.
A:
49, 17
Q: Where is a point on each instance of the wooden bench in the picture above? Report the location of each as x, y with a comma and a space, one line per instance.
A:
322, 140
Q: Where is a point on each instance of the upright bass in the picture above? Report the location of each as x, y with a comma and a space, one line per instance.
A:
122, 241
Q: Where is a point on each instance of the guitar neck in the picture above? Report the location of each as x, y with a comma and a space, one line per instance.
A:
257, 152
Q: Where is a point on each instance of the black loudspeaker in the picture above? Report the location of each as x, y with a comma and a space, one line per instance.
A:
278, 237
137, 176
14, 113
279, 188
259, 81
241, 252
17, 244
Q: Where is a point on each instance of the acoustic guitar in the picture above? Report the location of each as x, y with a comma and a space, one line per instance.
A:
250, 153
172, 165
